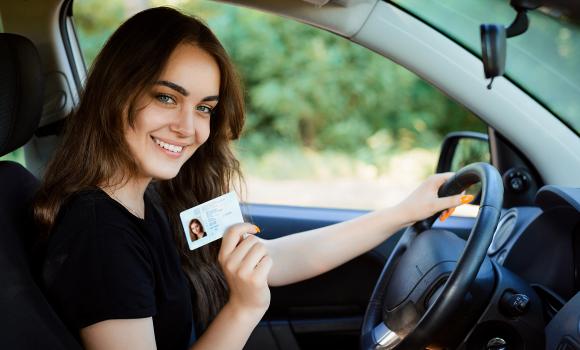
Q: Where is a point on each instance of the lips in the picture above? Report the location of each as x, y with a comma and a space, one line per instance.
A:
175, 148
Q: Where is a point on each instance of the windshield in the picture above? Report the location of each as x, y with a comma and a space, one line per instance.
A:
544, 61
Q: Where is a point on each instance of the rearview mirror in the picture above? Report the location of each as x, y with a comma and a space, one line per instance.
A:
493, 38
493, 49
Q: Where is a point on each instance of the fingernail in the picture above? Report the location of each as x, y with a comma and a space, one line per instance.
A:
446, 214
466, 198
257, 229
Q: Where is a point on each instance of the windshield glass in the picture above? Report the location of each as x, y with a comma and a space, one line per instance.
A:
545, 60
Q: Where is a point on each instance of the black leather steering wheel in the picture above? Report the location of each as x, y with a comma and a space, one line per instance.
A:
394, 318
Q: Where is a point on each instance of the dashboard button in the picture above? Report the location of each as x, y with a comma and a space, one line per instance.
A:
517, 180
514, 304
496, 344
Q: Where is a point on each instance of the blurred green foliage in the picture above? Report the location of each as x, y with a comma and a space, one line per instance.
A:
306, 88
470, 151
95, 21
15, 156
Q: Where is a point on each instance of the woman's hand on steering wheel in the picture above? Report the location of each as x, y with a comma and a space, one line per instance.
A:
424, 201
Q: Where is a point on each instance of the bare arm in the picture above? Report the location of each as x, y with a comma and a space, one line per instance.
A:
128, 334
119, 335
229, 330
307, 254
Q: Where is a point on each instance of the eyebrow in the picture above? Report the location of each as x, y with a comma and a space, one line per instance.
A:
183, 91
210, 98
173, 86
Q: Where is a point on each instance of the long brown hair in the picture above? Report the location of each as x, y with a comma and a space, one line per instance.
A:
93, 148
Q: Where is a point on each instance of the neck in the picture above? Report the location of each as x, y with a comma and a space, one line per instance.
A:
130, 194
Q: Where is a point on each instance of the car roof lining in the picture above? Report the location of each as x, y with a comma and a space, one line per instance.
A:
342, 17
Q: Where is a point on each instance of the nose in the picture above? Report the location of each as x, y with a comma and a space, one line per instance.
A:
184, 123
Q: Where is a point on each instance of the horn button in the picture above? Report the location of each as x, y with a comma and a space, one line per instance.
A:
420, 275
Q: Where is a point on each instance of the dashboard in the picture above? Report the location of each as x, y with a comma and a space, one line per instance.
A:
541, 244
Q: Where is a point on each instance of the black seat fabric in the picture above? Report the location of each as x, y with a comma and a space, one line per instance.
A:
21, 87
26, 319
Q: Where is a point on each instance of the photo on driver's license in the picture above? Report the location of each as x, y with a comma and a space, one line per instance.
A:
208, 221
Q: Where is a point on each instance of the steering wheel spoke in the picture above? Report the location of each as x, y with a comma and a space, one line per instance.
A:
384, 338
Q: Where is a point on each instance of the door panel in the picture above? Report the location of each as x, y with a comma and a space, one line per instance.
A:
325, 311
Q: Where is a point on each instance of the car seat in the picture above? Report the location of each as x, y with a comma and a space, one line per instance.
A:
27, 321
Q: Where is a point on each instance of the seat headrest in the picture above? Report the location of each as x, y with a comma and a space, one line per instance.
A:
21, 91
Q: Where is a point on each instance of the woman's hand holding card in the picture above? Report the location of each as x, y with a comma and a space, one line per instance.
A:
246, 266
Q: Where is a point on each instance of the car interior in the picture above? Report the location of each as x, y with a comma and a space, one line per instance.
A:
507, 278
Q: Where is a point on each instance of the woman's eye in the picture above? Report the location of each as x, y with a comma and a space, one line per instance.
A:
204, 109
165, 99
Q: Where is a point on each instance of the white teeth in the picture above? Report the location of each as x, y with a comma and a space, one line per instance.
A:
168, 146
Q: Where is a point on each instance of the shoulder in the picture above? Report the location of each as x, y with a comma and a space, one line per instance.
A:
91, 223
93, 238
92, 211
89, 203
99, 264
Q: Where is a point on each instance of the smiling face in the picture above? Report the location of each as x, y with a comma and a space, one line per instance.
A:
173, 117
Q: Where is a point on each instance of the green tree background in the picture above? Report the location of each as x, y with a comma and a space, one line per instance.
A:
306, 89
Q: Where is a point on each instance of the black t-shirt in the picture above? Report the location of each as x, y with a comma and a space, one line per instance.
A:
105, 263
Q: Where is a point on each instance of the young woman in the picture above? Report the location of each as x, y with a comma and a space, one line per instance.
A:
196, 230
149, 139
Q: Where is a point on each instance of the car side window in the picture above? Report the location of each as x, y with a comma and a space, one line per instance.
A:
329, 123
15, 156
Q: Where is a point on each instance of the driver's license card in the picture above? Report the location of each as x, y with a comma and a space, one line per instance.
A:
208, 221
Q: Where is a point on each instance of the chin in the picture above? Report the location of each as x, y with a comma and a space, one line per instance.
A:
168, 176
164, 170
165, 174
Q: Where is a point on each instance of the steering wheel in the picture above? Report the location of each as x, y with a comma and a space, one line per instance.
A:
414, 297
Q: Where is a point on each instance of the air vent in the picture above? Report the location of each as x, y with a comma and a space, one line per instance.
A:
503, 232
